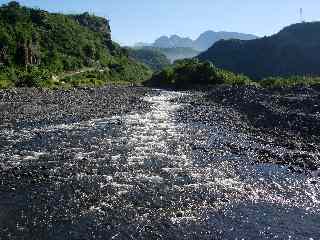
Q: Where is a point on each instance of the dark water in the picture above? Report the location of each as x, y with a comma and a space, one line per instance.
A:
148, 176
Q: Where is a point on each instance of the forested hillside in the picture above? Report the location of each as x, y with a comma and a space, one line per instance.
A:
36, 44
153, 58
293, 51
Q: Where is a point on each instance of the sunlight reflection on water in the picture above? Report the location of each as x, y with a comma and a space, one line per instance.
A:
149, 166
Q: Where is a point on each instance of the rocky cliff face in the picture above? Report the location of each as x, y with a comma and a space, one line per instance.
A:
29, 53
97, 24
3, 55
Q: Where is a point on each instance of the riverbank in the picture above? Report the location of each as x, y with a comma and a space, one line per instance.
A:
286, 118
22, 107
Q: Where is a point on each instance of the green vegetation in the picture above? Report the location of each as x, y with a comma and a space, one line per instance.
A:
125, 72
293, 51
289, 81
36, 45
153, 58
191, 73
42, 49
91, 78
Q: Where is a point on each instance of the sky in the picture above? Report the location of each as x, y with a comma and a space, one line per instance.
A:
145, 20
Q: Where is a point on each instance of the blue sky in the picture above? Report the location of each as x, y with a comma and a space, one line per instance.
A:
145, 20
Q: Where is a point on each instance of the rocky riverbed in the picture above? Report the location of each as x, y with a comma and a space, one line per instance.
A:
136, 163
284, 117
39, 107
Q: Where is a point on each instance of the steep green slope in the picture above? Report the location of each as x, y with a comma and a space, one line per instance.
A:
153, 58
35, 44
293, 51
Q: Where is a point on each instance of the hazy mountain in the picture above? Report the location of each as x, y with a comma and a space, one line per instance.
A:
173, 42
295, 50
208, 38
202, 43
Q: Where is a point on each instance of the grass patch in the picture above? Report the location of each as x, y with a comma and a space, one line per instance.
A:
4, 84
289, 81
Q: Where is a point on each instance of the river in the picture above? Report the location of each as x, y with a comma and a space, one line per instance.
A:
149, 176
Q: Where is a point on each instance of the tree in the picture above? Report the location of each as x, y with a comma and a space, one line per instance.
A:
13, 4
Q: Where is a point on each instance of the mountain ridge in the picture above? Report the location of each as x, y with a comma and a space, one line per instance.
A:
208, 38
202, 43
295, 50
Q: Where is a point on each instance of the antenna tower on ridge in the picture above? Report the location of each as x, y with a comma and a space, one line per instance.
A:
301, 15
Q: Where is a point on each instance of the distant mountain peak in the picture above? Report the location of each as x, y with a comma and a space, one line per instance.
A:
172, 42
202, 43
174, 36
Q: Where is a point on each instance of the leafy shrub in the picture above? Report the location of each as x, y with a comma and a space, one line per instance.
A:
191, 72
4, 81
231, 78
34, 77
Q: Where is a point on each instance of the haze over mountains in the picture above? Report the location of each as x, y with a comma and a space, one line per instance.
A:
202, 43
172, 54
